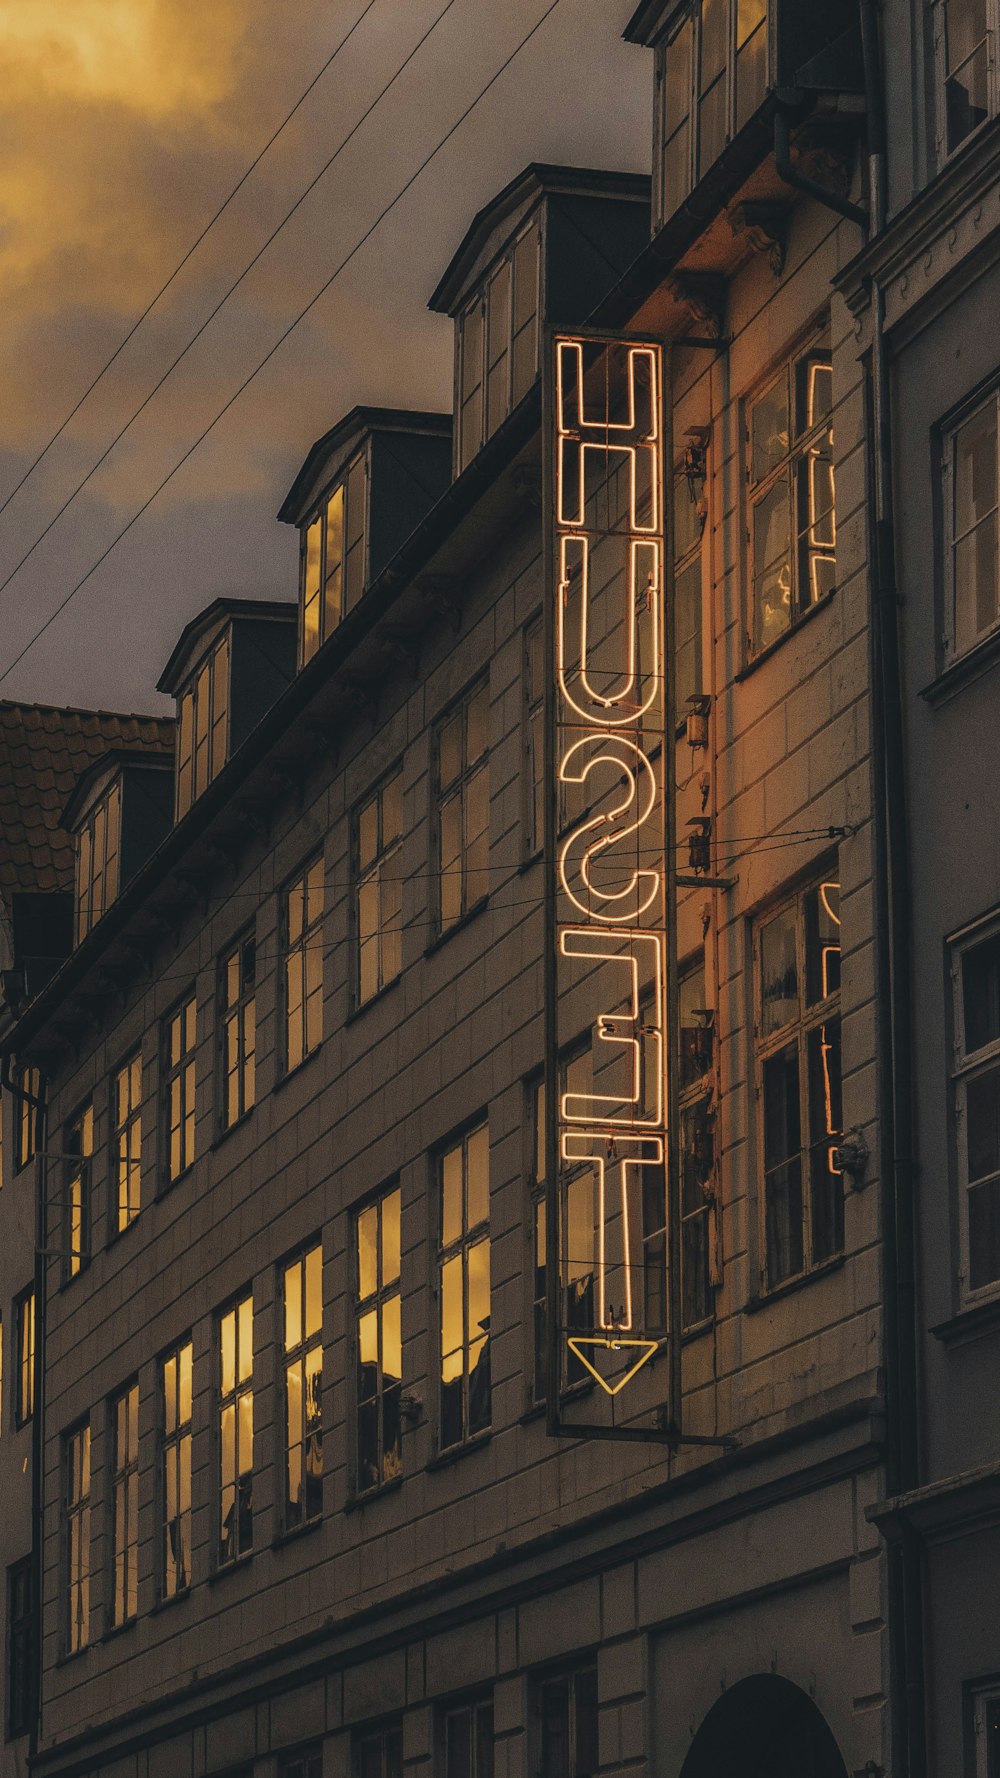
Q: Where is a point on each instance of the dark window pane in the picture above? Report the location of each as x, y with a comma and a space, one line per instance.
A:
555, 1702
822, 914
984, 1234
981, 993
585, 1763
982, 1110
782, 1132
784, 1222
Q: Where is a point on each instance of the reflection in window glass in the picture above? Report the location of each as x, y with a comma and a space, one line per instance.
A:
178, 1051
303, 964
126, 1106
464, 1288
175, 1471
302, 1296
203, 727
975, 575
238, 1021
713, 69
792, 511
379, 1342
236, 1431
79, 1149
97, 864
125, 1504
332, 565
76, 1458
378, 828
463, 782
964, 29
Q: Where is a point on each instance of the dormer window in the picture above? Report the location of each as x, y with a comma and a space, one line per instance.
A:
203, 727
333, 559
497, 346
97, 860
711, 76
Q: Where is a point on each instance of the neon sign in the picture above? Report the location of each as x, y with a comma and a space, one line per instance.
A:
606, 837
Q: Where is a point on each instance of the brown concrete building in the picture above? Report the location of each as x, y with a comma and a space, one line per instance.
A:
301, 1510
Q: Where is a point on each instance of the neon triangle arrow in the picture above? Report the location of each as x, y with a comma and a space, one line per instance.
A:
645, 1348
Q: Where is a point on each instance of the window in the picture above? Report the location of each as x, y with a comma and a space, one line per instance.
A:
20, 1648
24, 1379
464, 1288
332, 559
303, 1360
697, 1158
179, 1040
379, 1342
567, 1711
203, 727
463, 785
303, 980
236, 1431
965, 36
971, 478
79, 1154
76, 1455
798, 1081
97, 867
126, 1118
498, 344
125, 1505
985, 1712
306, 1764
27, 1115
976, 981
711, 76
238, 1024
689, 522
467, 1733
792, 519
378, 1753
378, 828
175, 1471
534, 736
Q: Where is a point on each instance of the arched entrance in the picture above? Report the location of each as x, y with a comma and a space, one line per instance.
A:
764, 1727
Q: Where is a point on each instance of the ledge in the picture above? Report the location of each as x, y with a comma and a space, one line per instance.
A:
441, 938
971, 1323
358, 1012
455, 1453
290, 1534
287, 1075
779, 642
962, 672
754, 1304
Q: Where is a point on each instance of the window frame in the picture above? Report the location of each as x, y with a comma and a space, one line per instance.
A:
585, 1668
185, 1070
106, 813
78, 1189
458, 787
939, 41
301, 945
170, 1446
298, 1353
241, 1013
302, 1762
186, 794
23, 1379
695, 1092
472, 1705
77, 1510
808, 1017
532, 744
478, 302
813, 342
691, 14
968, 1065
948, 432
361, 876
982, 1715
128, 1128
225, 1399
124, 1474
28, 1138
380, 1732
20, 1643
445, 1253
374, 1302
358, 462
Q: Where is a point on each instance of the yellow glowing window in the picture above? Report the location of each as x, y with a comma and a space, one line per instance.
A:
379, 907
464, 1288
333, 559
175, 1471
203, 727
24, 1334
125, 1505
238, 1030
27, 1114
76, 1459
303, 964
790, 478
235, 1509
126, 1095
80, 1151
179, 1043
97, 861
303, 1367
379, 1343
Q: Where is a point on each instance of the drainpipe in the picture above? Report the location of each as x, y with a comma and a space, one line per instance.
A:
893, 997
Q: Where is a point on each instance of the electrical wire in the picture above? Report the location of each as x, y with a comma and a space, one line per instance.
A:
179, 267
279, 342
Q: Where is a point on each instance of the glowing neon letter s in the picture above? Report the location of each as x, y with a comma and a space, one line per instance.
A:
593, 839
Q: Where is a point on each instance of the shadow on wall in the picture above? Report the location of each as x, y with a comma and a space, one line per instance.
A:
764, 1727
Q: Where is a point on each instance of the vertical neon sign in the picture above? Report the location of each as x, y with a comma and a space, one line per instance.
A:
608, 827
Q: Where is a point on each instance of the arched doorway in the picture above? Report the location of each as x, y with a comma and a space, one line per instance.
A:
764, 1727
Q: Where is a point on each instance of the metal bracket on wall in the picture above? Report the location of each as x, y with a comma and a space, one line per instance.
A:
686, 882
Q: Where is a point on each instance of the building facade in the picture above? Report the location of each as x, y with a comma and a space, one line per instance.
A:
300, 1510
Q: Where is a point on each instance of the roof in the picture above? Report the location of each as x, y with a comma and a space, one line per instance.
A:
43, 752
213, 617
538, 178
105, 766
358, 421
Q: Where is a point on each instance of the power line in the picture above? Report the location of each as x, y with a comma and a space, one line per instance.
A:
324, 287
210, 317
179, 267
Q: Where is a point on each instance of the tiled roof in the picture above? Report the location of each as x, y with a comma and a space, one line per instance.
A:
43, 751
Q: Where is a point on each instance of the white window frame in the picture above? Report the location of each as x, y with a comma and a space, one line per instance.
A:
949, 432
97, 879
939, 29
357, 463
692, 12
966, 1067
208, 689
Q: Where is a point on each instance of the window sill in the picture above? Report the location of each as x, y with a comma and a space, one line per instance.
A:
363, 1006
289, 1074
971, 1322
116, 1630
67, 1657
765, 654
789, 1286
292, 1534
117, 1235
442, 938
969, 666
355, 1501
74, 1278
455, 1453
231, 1129
696, 1331
530, 859
166, 1186
225, 1569
165, 1604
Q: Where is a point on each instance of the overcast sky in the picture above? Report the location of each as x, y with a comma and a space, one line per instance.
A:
124, 124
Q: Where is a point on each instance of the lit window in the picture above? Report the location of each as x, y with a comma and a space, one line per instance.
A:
965, 37
98, 847
567, 1712
579, 1262
498, 344
80, 1154
697, 1157
20, 1648
76, 1458
711, 78
797, 953
379, 1343
974, 580
175, 1471
238, 1029
24, 1379
303, 1362
534, 737
28, 1113
126, 1104
463, 784
332, 561
378, 1753
793, 528
125, 1505
203, 727
236, 1431
976, 976
378, 827
303, 975
464, 1288
467, 1733
179, 1040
